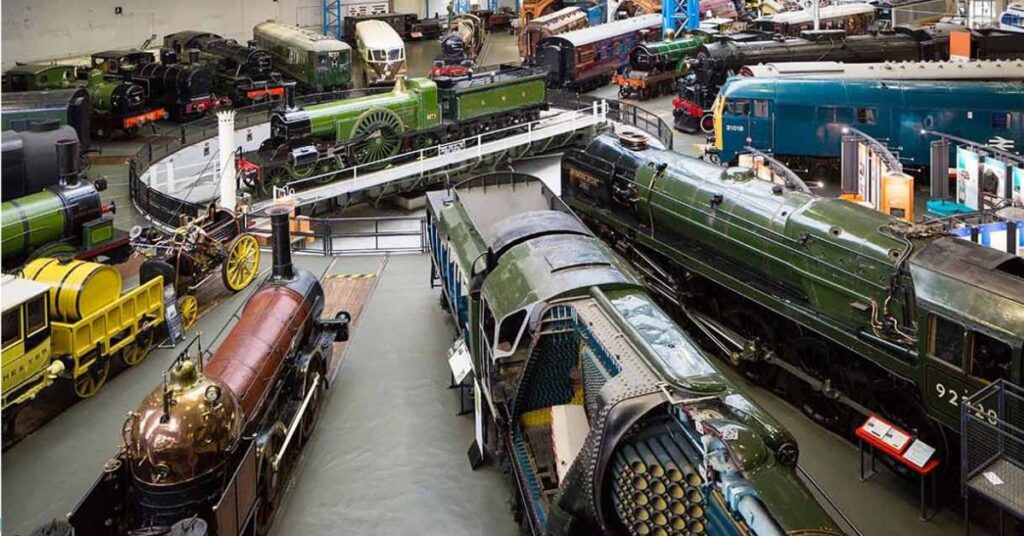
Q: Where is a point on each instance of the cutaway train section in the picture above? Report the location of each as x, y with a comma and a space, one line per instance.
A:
607, 417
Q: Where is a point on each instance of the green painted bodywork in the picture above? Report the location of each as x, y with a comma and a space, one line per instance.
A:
482, 96
31, 221
416, 106
36, 77
823, 263
305, 58
549, 269
100, 92
677, 49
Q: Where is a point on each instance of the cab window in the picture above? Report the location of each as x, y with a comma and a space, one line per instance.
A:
11, 327
867, 116
991, 359
395, 54
760, 108
488, 324
35, 315
737, 107
946, 341
509, 330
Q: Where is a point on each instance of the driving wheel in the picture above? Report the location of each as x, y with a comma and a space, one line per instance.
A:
270, 479
90, 381
377, 135
242, 263
188, 309
134, 353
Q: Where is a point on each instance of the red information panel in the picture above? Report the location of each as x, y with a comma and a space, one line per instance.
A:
898, 444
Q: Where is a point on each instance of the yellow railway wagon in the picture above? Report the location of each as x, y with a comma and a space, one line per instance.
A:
80, 350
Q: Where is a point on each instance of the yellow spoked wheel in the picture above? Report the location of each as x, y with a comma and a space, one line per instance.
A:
188, 309
243, 262
90, 381
134, 353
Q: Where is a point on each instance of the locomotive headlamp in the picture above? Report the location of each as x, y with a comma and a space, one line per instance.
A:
213, 394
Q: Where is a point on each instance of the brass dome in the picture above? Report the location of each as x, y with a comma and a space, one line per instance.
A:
201, 423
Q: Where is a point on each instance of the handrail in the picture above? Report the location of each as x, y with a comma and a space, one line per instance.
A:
166, 211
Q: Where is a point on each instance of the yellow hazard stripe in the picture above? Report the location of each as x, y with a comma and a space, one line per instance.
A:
353, 276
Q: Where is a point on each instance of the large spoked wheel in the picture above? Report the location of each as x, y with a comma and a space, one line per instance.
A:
188, 310
377, 135
243, 261
271, 480
315, 382
90, 381
751, 325
276, 176
134, 353
813, 357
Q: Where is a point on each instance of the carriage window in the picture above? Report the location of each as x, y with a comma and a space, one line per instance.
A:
488, 324
35, 315
1001, 120
866, 115
11, 327
395, 54
947, 341
990, 359
833, 114
761, 108
737, 107
510, 330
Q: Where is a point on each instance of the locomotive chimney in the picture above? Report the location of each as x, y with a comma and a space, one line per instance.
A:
282, 242
193, 56
67, 162
289, 95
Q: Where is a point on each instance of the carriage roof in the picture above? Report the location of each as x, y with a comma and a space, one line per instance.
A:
301, 37
17, 291
593, 34
378, 34
827, 12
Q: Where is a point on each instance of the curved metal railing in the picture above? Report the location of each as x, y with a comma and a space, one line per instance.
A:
168, 210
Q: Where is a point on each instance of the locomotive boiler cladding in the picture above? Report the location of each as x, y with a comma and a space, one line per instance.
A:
216, 440
894, 318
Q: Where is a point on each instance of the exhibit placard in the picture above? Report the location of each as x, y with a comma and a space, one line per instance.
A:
967, 167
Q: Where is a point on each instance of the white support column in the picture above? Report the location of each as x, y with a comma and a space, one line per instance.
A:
226, 138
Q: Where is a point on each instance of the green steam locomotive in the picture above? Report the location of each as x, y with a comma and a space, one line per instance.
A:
117, 104
67, 218
416, 114
608, 417
853, 311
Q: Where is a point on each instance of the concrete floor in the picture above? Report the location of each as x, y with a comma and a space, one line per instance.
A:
390, 454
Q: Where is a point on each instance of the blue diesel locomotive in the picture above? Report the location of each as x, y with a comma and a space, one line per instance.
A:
802, 121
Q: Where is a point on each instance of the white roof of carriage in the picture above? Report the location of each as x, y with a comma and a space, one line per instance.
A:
17, 291
601, 32
378, 34
827, 12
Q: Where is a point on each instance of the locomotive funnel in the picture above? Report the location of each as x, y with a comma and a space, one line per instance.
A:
67, 162
289, 96
282, 242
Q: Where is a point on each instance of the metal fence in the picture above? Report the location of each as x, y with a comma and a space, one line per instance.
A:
167, 210
352, 236
992, 446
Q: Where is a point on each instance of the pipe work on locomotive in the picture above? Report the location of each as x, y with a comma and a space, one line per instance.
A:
854, 311
214, 444
565, 342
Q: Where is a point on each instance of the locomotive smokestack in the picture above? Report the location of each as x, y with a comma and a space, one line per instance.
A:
193, 56
67, 162
289, 95
282, 242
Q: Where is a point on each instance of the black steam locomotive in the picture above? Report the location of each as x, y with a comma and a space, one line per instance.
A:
184, 90
714, 62
242, 72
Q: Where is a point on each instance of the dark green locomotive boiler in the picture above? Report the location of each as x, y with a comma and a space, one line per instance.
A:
854, 311
562, 335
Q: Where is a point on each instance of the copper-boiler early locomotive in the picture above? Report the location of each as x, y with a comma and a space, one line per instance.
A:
210, 450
